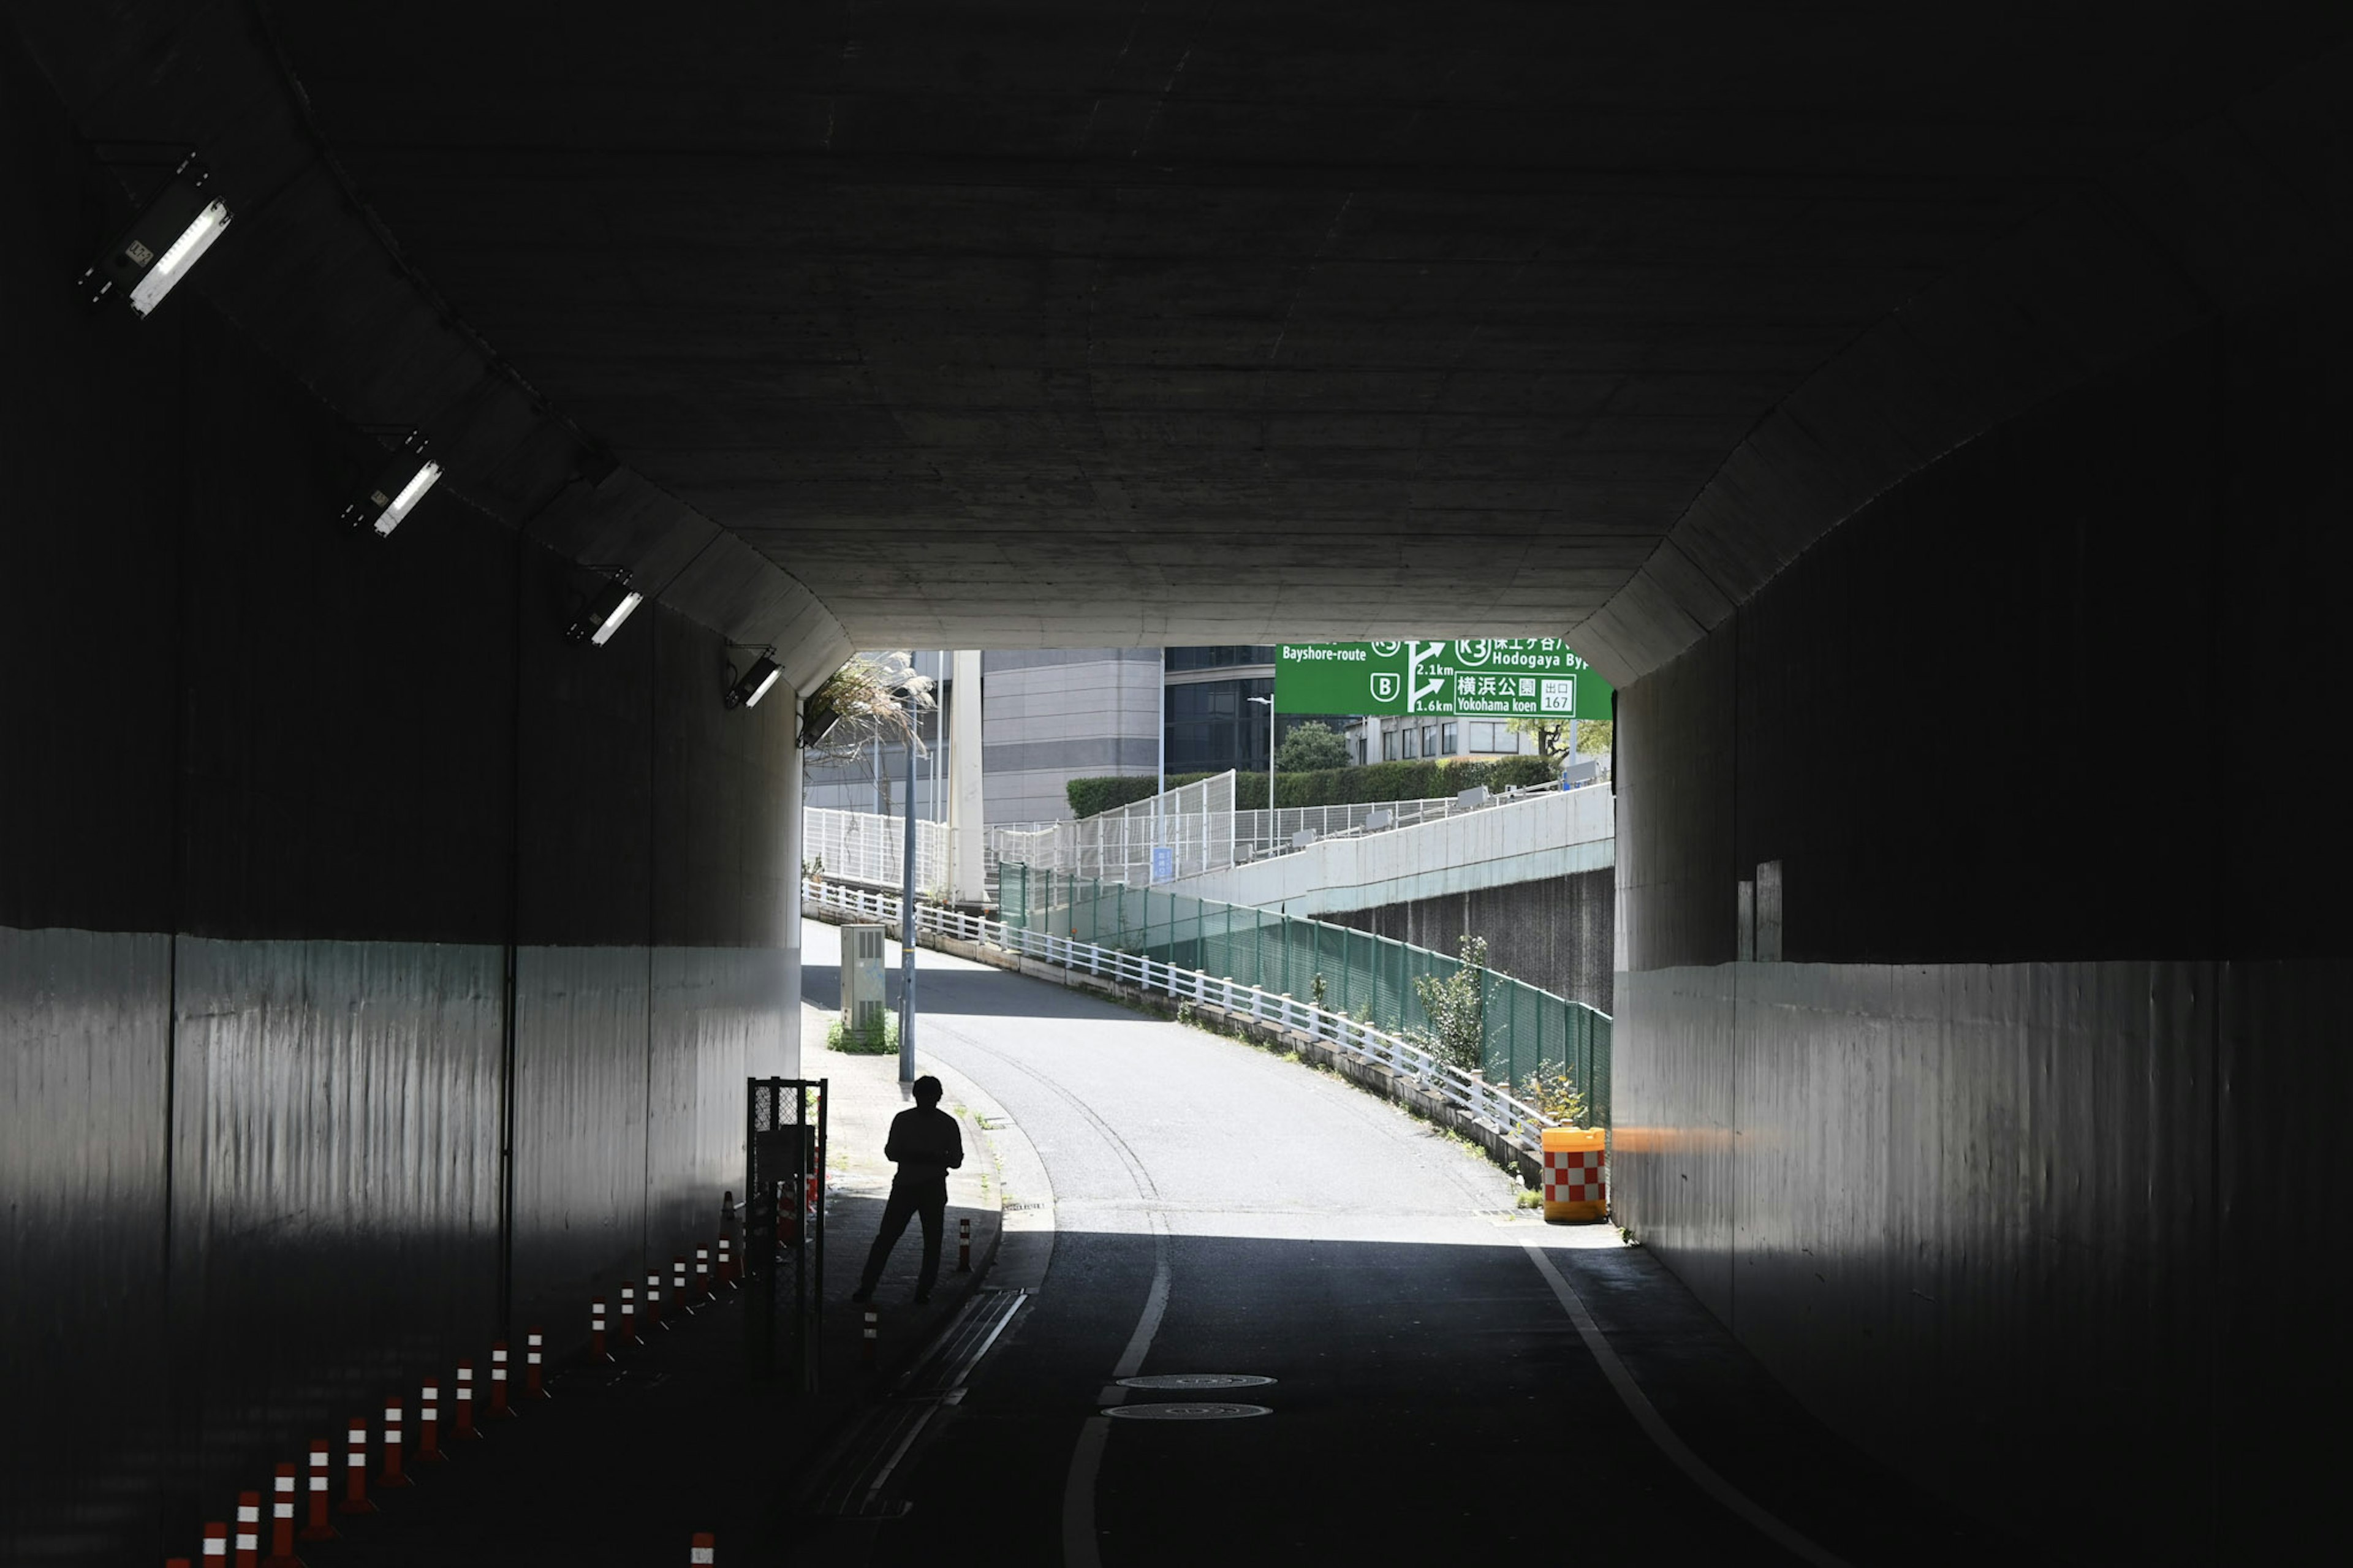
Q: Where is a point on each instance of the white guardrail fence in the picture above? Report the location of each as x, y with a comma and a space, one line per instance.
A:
1519, 1122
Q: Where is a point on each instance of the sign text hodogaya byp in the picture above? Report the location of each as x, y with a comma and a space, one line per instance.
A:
1503, 678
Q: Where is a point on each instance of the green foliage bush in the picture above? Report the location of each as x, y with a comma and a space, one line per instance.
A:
1372, 783
837, 1037
1311, 748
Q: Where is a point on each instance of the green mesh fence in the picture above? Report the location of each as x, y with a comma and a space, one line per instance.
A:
1364, 975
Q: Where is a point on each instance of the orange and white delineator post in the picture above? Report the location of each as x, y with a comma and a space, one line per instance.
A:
465, 1401
322, 1469
498, 1410
702, 1549
629, 1316
702, 1274
217, 1544
248, 1530
534, 1354
653, 1300
598, 1353
356, 1498
727, 1263
428, 1425
396, 1450
963, 1246
871, 1337
1573, 1177
677, 1285
281, 1519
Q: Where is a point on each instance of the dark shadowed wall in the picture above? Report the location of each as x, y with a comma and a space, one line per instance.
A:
2015, 1161
1553, 932
376, 969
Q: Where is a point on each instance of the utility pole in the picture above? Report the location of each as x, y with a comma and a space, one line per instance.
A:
907, 916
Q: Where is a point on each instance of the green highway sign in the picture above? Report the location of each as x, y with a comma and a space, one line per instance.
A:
1502, 678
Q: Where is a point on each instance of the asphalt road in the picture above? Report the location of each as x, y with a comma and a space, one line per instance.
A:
1217, 1209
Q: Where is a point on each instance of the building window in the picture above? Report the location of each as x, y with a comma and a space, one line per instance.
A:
1430, 739
1446, 739
1389, 745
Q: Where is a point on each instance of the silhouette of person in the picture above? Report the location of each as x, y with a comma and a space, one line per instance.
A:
927, 1144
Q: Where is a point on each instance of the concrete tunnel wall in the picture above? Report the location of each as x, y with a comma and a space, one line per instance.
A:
2018, 1164
321, 858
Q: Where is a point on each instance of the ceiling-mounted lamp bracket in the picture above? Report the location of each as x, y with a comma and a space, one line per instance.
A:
605, 607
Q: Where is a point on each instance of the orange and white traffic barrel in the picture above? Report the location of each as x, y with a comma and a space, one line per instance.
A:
1574, 1184
248, 1530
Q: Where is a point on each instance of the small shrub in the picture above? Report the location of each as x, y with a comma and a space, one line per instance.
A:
1456, 1006
837, 1037
1552, 1090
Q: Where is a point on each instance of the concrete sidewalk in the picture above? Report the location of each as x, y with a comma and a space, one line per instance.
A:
625, 1462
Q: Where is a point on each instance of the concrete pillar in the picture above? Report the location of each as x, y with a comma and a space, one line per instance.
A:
796, 847
965, 822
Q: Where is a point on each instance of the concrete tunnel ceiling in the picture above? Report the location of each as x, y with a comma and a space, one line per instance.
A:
1027, 324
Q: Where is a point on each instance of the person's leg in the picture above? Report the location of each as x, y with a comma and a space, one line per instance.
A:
895, 1215
934, 1215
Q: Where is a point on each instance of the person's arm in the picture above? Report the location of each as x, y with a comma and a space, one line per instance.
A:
955, 1145
890, 1144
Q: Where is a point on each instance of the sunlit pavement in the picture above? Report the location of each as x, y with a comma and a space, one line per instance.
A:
1215, 1209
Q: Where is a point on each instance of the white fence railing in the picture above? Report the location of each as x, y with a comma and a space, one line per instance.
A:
1519, 1122
1205, 832
868, 847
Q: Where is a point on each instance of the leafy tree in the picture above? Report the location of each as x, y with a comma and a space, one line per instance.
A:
1456, 1006
1551, 736
1311, 748
871, 700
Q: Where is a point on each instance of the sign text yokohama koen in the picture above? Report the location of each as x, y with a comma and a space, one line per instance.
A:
1503, 678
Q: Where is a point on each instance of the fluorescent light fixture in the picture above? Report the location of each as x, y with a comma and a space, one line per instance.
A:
607, 608
747, 691
163, 242
401, 484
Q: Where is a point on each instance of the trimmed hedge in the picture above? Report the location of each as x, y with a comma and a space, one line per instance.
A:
1374, 783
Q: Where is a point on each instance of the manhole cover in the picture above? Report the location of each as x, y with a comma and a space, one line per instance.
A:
1187, 1412
1197, 1380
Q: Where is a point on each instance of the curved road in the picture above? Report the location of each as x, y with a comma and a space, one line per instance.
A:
1217, 1209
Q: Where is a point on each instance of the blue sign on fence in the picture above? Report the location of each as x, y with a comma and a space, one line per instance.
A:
1163, 862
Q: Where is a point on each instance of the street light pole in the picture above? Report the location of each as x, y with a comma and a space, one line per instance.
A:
907, 914
1269, 703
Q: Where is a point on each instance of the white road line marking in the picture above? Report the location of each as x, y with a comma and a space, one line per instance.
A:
1654, 1425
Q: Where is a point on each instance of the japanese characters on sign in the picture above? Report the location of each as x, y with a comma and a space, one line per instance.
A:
1504, 678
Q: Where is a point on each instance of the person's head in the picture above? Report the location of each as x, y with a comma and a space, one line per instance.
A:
927, 1091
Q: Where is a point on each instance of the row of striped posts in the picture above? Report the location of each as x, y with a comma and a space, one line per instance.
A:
244, 1548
